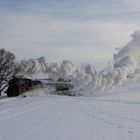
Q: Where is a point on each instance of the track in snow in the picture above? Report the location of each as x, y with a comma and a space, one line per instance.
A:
71, 118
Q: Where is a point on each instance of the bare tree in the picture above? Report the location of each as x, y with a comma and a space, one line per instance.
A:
6, 68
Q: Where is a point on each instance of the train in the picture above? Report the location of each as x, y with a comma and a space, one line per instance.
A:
19, 85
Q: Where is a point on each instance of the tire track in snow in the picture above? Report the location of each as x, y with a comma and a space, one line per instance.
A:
98, 115
20, 103
114, 116
102, 135
111, 115
26, 110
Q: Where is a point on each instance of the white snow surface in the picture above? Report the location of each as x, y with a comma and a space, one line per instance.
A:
100, 114
114, 116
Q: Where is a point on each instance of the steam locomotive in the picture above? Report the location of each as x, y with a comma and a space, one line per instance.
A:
19, 85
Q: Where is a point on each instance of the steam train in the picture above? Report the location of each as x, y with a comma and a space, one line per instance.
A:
19, 85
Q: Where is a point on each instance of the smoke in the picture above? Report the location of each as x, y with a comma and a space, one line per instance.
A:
32, 67
68, 71
128, 58
126, 64
28, 67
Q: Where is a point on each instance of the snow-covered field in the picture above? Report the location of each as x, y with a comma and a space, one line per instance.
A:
102, 115
114, 116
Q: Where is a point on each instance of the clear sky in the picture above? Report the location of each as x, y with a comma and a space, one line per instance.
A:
79, 30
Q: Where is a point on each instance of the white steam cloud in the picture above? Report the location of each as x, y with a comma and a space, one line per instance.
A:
125, 64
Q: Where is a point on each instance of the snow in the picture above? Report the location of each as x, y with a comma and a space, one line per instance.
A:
113, 116
100, 114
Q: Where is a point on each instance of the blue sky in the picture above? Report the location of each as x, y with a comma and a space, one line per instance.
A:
79, 30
